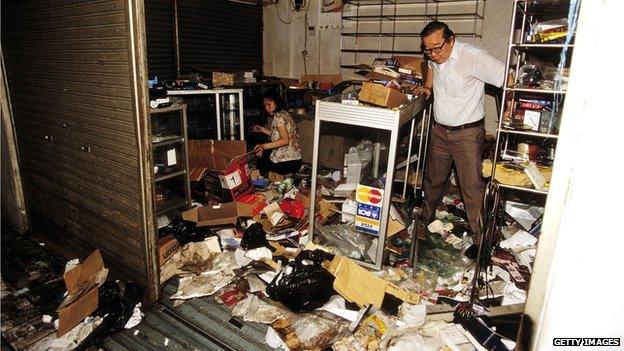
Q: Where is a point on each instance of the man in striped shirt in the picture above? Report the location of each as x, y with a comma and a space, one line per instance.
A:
457, 73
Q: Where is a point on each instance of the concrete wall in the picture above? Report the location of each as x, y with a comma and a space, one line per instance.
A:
283, 43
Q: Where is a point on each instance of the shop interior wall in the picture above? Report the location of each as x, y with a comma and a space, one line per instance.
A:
284, 43
71, 82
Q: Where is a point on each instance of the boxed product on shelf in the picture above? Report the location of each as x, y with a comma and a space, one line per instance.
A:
380, 95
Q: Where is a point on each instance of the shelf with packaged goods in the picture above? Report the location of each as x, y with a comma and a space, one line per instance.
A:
521, 46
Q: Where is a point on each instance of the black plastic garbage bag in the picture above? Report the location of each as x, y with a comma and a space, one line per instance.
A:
303, 285
254, 237
185, 231
115, 305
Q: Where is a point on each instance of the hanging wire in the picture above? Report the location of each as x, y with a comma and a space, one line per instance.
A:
277, 12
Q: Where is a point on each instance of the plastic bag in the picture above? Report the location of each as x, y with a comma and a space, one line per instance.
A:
254, 237
303, 285
310, 331
345, 239
185, 231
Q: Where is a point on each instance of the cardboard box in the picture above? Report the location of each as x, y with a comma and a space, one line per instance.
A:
167, 247
222, 164
82, 284
377, 94
225, 214
250, 205
415, 64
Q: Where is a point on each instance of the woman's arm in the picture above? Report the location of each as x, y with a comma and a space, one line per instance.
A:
261, 129
282, 141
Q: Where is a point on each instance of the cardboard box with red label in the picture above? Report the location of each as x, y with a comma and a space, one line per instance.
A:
222, 165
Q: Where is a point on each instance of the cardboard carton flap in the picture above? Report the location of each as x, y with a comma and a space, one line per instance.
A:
84, 274
222, 214
214, 155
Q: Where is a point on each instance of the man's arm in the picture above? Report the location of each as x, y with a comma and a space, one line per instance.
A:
427, 87
488, 69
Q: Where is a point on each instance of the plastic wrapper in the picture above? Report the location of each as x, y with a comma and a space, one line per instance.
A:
313, 331
371, 330
364, 149
345, 239
303, 285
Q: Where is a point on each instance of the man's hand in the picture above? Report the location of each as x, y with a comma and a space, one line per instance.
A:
423, 91
259, 149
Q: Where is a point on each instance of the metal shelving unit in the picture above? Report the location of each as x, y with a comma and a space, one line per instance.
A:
390, 21
171, 172
521, 48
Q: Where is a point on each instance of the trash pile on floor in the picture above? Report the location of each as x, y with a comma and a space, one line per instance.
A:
92, 309
248, 249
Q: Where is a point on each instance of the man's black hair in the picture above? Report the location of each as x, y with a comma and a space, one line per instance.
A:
274, 96
434, 26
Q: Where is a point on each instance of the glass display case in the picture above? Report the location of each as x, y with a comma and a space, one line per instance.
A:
358, 156
169, 152
216, 113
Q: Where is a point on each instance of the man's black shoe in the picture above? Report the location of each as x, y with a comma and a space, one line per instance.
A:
471, 252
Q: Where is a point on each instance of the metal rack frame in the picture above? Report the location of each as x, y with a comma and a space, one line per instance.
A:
431, 12
379, 118
183, 140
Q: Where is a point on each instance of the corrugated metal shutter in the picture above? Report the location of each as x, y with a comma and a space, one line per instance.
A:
160, 38
220, 35
68, 69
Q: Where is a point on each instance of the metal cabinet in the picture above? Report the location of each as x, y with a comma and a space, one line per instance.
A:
223, 110
357, 151
170, 157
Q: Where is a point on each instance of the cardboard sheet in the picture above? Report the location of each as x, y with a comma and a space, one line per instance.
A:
358, 285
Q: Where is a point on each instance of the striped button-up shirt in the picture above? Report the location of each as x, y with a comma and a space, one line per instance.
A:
458, 84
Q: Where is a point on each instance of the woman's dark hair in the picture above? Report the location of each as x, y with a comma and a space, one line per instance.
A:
434, 26
274, 96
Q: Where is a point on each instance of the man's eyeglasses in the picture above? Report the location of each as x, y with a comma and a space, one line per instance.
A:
437, 50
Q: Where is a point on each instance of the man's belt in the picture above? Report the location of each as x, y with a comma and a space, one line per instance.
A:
463, 126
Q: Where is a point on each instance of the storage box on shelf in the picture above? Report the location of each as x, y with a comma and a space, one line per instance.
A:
169, 151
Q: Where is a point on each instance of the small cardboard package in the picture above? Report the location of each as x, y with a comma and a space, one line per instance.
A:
411, 63
223, 166
225, 214
167, 247
250, 205
378, 94
82, 282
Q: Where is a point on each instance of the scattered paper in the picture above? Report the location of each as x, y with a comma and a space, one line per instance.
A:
136, 317
349, 208
46, 318
255, 284
440, 227
336, 305
241, 259
520, 239
259, 253
513, 295
412, 315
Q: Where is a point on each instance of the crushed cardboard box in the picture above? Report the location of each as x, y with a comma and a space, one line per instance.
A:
82, 282
358, 285
250, 205
225, 214
167, 247
222, 164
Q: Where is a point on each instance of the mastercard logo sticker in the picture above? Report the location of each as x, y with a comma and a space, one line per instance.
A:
366, 194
